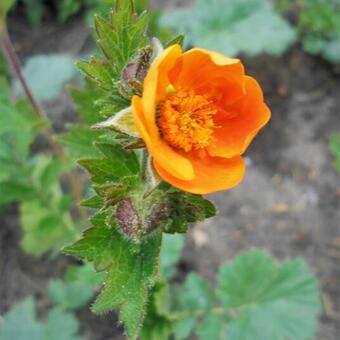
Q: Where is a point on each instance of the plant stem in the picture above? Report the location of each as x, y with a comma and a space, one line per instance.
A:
48, 133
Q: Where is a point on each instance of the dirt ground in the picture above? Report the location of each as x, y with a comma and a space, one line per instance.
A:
288, 202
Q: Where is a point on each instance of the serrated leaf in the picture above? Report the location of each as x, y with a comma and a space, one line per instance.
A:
84, 100
79, 140
131, 271
268, 301
172, 246
117, 163
98, 70
228, 27
334, 143
188, 208
93, 202
46, 75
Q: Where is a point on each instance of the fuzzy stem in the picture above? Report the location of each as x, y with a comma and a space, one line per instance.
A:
48, 133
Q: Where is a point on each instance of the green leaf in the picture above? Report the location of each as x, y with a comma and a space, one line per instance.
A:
228, 27
334, 143
60, 325
172, 246
211, 327
67, 8
331, 50
20, 323
118, 163
79, 140
131, 271
84, 100
267, 301
320, 29
157, 325
120, 39
77, 289
43, 229
195, 297
46, 75
34, 11
188, 208
5, 5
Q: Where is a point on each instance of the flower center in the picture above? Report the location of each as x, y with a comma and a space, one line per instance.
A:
186, 120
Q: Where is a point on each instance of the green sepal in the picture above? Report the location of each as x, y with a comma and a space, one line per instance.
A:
178, 39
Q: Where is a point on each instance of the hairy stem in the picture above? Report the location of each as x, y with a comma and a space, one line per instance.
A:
48, 133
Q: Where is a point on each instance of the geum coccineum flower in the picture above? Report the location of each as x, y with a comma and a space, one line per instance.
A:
197, 114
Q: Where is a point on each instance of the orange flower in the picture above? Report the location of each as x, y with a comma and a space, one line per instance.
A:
197, 115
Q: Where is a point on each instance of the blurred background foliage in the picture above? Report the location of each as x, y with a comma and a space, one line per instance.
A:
36, 180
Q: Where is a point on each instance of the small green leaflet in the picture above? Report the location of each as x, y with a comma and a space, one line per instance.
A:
46, 75
21, 323
233, 27
131, 271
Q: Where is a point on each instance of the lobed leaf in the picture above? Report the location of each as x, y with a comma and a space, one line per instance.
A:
268, 301
229, 27
21, 323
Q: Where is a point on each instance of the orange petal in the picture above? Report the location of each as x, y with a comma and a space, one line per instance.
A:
211, 174
236, 131
172, 161
203, 70
156, 83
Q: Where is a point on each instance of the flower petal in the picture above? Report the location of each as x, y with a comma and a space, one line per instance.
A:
211, 174
238, 127
203, 71
172, 161
156, 83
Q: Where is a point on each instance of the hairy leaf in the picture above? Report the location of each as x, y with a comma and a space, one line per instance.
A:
131, 271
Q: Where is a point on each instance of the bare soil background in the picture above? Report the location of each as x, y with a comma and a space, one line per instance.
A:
288, 203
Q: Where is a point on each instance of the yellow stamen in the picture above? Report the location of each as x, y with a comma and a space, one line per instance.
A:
186, 120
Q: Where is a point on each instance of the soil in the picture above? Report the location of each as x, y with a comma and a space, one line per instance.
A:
288, 202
